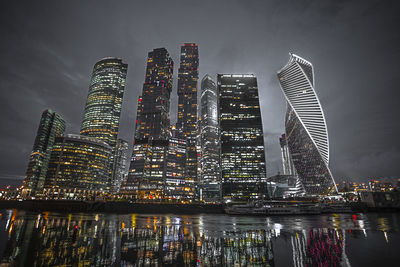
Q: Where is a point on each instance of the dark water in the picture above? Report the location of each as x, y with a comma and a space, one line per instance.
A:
36, 239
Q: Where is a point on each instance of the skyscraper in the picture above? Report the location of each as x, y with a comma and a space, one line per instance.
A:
306, 131
210, 171
119, 165
242, 140
148, 163
78, 163
188, 76
104, 103
287, 163
51, 126
175, 186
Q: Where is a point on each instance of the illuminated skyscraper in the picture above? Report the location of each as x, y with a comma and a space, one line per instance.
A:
176, 163
188, 76
148, 163
306, 131
287, 163
210, 170
242, 140
119, 165
78, 162
51, 125
104, 102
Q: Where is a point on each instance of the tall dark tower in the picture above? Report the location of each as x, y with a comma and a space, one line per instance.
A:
188, 76
148, 163
51, 126
242, 141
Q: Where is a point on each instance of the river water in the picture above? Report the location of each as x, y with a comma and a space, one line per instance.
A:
56, 239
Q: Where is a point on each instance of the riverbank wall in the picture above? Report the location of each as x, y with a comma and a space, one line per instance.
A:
109, 207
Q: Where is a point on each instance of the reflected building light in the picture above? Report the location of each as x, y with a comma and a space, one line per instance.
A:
319, 247
386, 236
9, 215
277, 232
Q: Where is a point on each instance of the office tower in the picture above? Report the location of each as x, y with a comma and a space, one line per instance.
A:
148, 163
242, 141
51, 125
288, 168
176, 163
119, 165
188, 75
78, 167
284, 186
306, 131
210, 171
104, 101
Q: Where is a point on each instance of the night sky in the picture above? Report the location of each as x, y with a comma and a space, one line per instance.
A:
48, 49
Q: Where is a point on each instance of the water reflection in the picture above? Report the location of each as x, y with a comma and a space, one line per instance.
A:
323, 246
31, 239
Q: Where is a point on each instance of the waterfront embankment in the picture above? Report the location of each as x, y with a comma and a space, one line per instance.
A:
109, 206
123, 207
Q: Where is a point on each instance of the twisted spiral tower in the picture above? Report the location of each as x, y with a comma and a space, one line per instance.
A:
306, 131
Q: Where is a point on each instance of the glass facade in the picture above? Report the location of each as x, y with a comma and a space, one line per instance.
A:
51, 126
306, 131
242, 140
79, 162
209, 171
104, 103
119, 165
287, 163
175, 185
148, 163
188, 75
